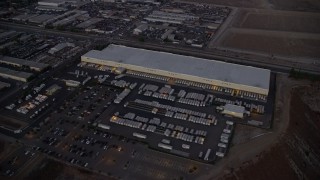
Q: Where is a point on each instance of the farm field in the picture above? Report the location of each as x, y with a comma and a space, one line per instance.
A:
295, 155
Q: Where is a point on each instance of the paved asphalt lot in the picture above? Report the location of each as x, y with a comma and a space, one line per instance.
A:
69, 133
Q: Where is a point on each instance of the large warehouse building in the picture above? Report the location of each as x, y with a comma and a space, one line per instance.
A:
238, 77
15, 75
21, 62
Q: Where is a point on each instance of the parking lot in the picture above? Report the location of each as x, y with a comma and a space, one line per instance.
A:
186, 126
166, 122
100, 119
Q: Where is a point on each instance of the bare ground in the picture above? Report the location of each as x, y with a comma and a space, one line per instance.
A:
277, 43
290, 5
296, 5
55, 170
249, 143
279, 21
6, 148
282, 34
296, 155
236, 3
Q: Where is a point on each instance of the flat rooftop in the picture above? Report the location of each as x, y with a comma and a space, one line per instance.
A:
205, 68
19, 74
234, 108
22, 62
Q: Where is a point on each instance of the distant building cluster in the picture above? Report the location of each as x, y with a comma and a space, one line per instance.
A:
169, 17
151, 20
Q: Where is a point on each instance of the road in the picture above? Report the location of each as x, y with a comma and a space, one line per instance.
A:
232, 57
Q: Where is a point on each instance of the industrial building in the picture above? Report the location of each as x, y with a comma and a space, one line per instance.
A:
51, 8
60, 47
54, 3
168, 17
72, 83
41, 18
143, 1
15, 75
89, 22
21, 62
69, 18
65, 18
216, 73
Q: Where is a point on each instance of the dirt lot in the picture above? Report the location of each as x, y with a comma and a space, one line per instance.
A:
277, 43
296, 154
280, 21
50, 169
236, 3
284, 34
292, 5
6, 148
11, 123
296, 5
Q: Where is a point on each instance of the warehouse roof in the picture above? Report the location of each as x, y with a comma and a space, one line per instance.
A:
10, 72
22, 62
210, 69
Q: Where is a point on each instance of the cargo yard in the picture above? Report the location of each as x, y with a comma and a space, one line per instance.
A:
183, 118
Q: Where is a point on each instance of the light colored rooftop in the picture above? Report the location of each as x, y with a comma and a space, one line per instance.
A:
234, 108
210, 69
22, 62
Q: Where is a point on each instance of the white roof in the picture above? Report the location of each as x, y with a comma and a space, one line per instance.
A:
210, 69
234, 108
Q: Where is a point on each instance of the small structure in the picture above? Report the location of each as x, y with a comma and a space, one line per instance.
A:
72, 83
103, 126
233, 110
59, 47
140, 29
52, 89
138, 135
